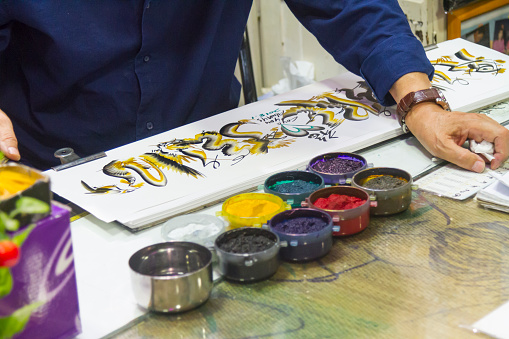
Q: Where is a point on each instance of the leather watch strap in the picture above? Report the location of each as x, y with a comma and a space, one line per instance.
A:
414, 98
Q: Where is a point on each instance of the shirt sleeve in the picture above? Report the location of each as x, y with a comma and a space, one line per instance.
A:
5, 27
371, 38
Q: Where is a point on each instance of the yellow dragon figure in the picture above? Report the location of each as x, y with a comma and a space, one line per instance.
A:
147, 170
468, 64
313, 113
318, 106
354, 105
253, 141
175, 155
142, 165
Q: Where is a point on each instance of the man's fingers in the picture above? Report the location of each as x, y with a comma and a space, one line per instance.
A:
488, 130
463, 158
8, 141
501, 146
9, 148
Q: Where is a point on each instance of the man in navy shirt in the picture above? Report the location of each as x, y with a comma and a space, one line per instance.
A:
94, 75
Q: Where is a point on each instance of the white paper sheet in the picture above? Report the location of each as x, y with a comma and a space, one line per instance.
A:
471, 76
457, 183
496, 195
495, 323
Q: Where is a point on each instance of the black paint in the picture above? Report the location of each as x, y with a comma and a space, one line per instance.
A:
384, 182
246, 243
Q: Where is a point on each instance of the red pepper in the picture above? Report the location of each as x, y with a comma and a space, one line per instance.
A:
9, 253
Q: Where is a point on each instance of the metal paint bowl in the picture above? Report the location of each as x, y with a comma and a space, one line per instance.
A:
303, 246
350, 221
248, 267
171, 277
293, 199
336, 178
390, 200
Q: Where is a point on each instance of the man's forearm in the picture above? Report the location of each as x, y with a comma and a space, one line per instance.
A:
409, 82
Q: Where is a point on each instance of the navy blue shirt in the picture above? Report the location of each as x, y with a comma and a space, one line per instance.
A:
94, 75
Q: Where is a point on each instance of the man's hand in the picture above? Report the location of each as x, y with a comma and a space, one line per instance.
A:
443, 133
8, 141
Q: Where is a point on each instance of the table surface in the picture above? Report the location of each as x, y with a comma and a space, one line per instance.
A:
429, 272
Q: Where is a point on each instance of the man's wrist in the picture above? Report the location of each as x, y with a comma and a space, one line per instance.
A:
412, 99
421, 112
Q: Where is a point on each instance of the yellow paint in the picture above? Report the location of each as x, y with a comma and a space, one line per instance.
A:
252, 208
12, 182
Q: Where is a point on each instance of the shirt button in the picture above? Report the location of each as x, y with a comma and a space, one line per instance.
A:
148, 5
150, 125
146, 58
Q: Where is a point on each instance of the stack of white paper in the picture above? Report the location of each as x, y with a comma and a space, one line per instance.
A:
495, 196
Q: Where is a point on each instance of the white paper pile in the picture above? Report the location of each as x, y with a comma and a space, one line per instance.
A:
495, 196
495, 323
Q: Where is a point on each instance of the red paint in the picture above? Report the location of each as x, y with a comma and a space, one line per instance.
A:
350, 221
339, 202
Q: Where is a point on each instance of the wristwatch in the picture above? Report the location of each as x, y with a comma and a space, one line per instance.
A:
414, 98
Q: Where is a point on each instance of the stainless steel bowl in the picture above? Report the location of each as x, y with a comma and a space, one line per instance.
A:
171, 277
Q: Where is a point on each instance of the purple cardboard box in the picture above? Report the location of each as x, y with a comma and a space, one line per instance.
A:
44, 277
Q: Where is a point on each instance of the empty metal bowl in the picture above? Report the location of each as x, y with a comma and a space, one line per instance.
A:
171, 277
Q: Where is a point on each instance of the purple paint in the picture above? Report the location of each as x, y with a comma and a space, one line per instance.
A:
306, 232
301, 225
337, 165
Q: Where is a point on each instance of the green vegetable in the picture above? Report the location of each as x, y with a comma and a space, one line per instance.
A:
7, 223
29, 205
5, 281
16, 322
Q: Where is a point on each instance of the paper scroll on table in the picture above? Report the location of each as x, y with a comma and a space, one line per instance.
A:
145, 182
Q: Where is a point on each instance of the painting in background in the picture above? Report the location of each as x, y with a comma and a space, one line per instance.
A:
501, 36
449, 5
490, 29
